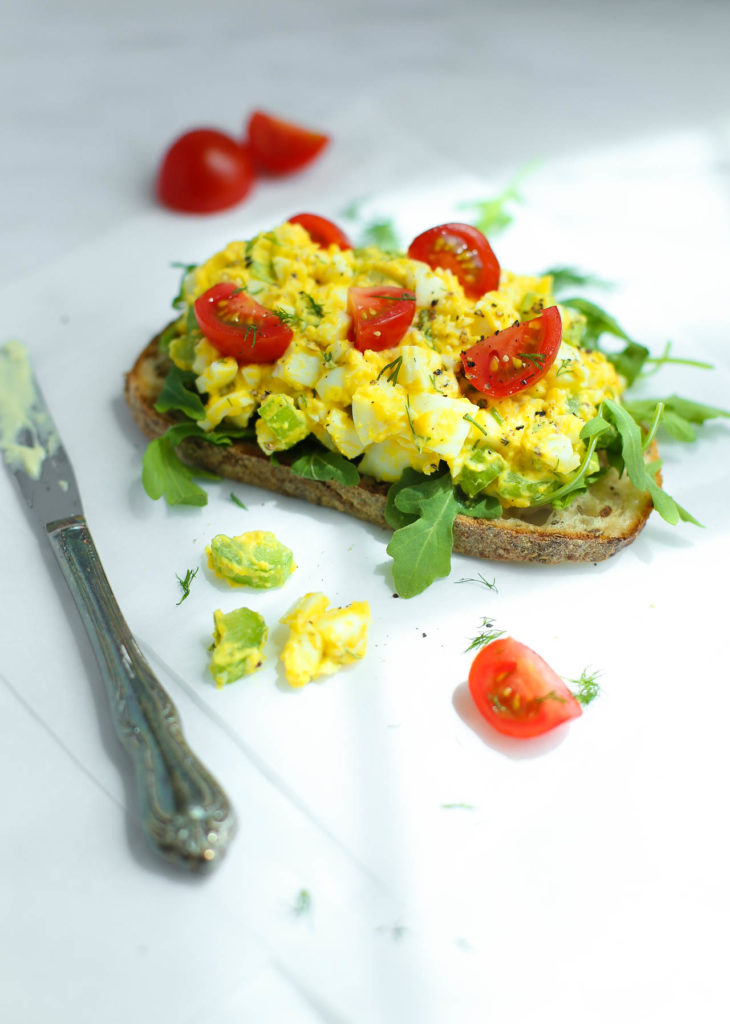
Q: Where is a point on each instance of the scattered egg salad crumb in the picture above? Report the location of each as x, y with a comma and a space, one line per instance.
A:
323, 639
408, 405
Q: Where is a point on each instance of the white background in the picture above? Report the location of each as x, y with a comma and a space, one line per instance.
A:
453, 877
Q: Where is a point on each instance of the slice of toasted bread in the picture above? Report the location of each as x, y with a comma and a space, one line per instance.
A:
595, 526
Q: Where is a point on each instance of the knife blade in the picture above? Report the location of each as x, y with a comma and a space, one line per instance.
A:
185, 814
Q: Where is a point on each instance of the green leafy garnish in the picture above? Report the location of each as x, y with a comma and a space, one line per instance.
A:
422, 511
303, 903
394, 369
179, 395
179, 301
641, 474
315, 308
237, 501
492, 216
679, 416
381, 233
571, 277
489, 584
630, 359
164, 474
487, 635
288, 317
185, 582
665, 359
322, 464
587, 687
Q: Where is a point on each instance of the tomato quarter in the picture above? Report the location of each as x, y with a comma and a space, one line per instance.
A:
204, 171
380, 316
280, 146
517, 692
515, 358
464, 251
322, 231
239, 326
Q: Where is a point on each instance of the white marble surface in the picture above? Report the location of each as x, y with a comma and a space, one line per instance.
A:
582, 880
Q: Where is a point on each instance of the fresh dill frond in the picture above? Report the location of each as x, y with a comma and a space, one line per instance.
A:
489, 584
302, 903
237, 501
487, 635
394, 368
587, 686
185, 582
315, 308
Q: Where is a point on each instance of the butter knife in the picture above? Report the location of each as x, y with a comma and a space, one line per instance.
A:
185, 813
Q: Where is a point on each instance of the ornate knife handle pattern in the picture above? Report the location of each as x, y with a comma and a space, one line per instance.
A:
185, 813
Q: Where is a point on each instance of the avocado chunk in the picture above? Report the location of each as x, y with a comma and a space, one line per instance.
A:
238, 642
482, 466
280, 424
254, 559
515, 487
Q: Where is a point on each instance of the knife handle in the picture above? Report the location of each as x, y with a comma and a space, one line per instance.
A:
185, 813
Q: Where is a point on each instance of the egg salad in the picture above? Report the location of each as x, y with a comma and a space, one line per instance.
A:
408, 406
323, 640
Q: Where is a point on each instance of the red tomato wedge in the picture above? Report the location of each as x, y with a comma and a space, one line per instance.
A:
279, 146
464, 251
239, 326
380, 316
517, 692
514, 359
322, 231
204, 171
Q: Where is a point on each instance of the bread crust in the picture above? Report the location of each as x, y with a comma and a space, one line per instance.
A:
594, 527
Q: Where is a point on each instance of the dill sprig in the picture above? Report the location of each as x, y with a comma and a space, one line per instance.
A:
587, 686
488, 634
489, 584
185, 583
394, 368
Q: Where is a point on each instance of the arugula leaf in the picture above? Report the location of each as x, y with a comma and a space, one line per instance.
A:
164, 474
482, 506
322, 464
178, 395
179, 301
571, 277
381, 233
493, 216
630, 359
679, 414
421, 549
641, 474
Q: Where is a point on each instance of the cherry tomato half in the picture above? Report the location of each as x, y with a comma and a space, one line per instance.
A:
515, 358
239, 326
204, 171
464, 251
322, 231
280, 146
380, 316
517, 692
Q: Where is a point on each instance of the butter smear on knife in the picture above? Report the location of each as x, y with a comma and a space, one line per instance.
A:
27, 435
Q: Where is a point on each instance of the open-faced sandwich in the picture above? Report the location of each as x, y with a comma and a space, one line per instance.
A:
432, 392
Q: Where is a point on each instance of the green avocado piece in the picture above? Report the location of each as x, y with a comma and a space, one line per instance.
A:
253, 559
238, 642
513, 486
482, 466
287, 423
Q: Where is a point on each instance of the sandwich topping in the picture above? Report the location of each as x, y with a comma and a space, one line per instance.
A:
430, 361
